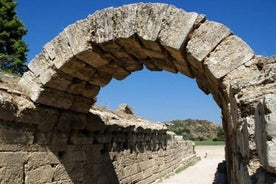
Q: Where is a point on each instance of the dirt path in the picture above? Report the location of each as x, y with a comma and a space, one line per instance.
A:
204, 171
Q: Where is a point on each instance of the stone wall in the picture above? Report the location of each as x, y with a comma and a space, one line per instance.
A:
40, 144
252, 128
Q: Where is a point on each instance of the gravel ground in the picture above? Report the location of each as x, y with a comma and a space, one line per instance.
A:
203, 172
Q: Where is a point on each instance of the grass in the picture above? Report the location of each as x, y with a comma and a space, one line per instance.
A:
209, 143
180, 169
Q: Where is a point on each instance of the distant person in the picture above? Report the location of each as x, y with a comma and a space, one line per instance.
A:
205, 156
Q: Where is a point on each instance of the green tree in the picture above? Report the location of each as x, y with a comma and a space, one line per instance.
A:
13, 49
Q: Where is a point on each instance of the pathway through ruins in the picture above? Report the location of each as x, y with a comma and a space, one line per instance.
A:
204, 171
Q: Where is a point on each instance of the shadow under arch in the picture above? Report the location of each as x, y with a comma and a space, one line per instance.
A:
71, 69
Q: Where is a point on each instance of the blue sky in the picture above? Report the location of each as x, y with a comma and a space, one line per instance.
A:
157, 96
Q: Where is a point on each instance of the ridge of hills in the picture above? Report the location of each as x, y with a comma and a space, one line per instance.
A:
196, 130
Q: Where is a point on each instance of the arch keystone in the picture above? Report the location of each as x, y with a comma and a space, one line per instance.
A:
176, 27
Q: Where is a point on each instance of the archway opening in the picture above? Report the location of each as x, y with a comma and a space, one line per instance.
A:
176, 101
160, 97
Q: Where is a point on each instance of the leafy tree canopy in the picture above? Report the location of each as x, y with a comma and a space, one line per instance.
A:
13, 49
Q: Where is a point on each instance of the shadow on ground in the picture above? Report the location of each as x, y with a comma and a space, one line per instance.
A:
221, 174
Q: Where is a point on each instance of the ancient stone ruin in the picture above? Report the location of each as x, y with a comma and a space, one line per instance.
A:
50, 133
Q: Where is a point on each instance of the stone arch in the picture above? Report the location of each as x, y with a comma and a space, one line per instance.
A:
115, 42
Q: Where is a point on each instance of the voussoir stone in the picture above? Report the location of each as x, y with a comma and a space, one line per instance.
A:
77, 35
204, 40
231, 53
125, 21
101, 25
149, 20
42, 68
30, 85
58, 51
176, 27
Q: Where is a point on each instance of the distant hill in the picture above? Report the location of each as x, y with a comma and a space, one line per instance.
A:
196, 129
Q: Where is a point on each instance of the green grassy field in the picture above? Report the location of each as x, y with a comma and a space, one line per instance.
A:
209, 143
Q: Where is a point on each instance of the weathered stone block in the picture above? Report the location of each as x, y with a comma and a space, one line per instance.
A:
270, 69
125, 21
11, 135
265, 120
131, 170
43, 138
100, 78
43, 174
180, 62
175, 27
92, 58
59, 140
204, 40
95, 123
150, 64
136, 177
38, 159
203, 83
149, 20
78, 138
60, 81
146, 164
115, 71
133, 47
231, 53
78, 35
11, 174
15, 159
150, 179
82, 104
55, 98
52, 97
120, 56
30, 85
58, 51
42, 68
94, 153
243, 74
165, 64
243, 136
101, 25
7, 108
44, 117
77, 68
68, 121
61, 175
